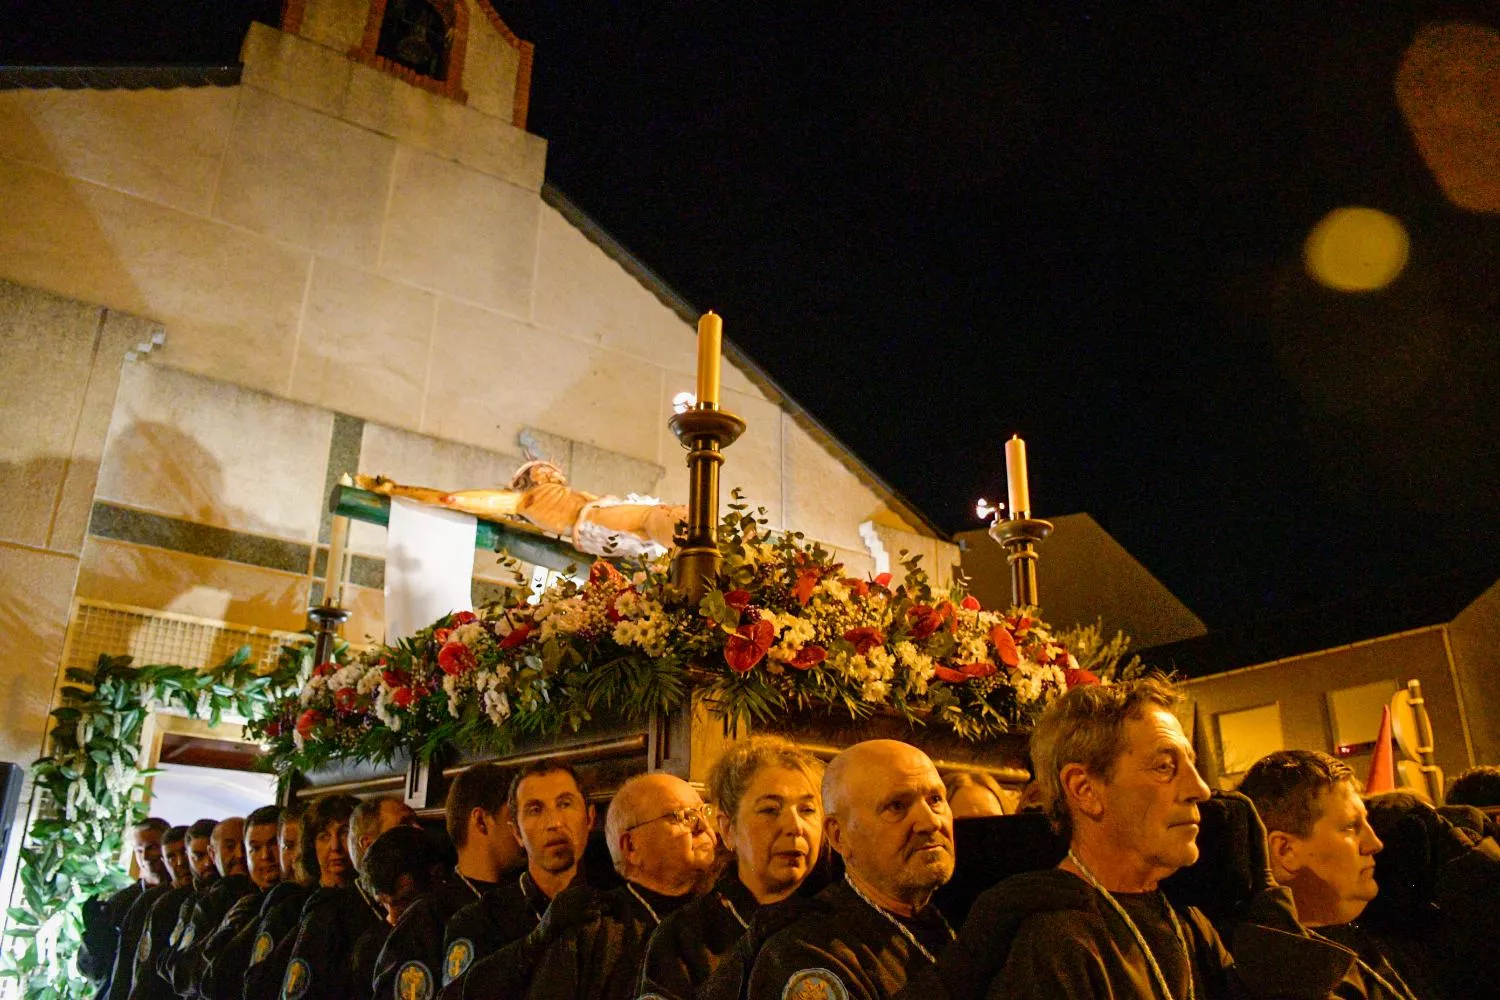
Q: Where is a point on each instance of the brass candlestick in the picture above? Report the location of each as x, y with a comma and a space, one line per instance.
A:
704, 431
1020, 536
327, 619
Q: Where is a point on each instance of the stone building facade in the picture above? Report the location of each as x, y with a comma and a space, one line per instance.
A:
213, 300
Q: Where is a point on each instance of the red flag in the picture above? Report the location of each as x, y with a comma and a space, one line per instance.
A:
1383, 765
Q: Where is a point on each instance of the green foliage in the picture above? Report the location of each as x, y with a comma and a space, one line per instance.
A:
89, 791
1106, 658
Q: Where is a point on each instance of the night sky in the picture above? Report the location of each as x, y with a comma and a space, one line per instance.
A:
1080, 222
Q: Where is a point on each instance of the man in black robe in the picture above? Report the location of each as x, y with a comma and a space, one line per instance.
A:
1323, 849
1115, 773
168, 916
478, 822
174, 853
103, 919
263, 864
550, 821
887, 816
589, 943
769, 809
269, 939
227, 843
342, 926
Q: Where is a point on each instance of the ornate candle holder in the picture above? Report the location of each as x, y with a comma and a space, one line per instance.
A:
704, 432
1020, 536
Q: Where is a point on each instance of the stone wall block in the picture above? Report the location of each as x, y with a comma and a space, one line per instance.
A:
496, 147
338, 24
118, 334
493, 376
215, 454
305, 178
823, 498
392, 107
216, 589
296, 69
34, 601
364, 345
491, 66
46, 344
164, 146
229, 299
458, 231
416, 459
580, 289
597, 470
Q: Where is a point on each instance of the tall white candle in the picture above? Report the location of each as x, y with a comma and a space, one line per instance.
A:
338, 541
1015, 477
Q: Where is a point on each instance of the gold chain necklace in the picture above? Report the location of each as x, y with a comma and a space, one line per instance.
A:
905, 931
1140, 939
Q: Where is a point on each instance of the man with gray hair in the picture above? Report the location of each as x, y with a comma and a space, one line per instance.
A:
590, 943
886, 814
1117, 778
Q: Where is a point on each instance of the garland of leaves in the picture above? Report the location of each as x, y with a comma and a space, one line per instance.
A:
89, 791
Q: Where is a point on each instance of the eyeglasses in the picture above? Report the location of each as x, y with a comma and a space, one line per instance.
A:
688, 817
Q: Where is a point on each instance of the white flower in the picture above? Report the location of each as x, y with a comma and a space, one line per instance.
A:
469, 634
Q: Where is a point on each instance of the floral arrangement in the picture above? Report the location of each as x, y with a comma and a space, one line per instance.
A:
784, 629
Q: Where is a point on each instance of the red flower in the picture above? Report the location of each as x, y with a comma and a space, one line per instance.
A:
860, 588
808, 657
924, 621
307, 721
964, 674
402, 697
748, 645
343, 699
393, 678
1005, 646
865, 639
807, 581
273, 728
1077, 676
441, 634
516, 636
464, 617
456, 658
884, 579
970, 603
324, 669
739, 600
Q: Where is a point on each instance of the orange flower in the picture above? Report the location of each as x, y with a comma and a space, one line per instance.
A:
307, 721
1005, 646
1077, 676
970, 603
807, 581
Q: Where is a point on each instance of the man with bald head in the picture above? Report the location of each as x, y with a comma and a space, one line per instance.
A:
590, 943
887, 815
184, 966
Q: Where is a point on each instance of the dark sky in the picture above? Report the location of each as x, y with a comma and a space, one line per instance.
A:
1081, 222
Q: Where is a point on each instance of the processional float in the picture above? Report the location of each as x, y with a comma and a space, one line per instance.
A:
686, 741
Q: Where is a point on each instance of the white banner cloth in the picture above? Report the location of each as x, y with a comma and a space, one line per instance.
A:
429, 566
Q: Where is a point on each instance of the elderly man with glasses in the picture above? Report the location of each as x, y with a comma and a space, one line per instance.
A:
591, 943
